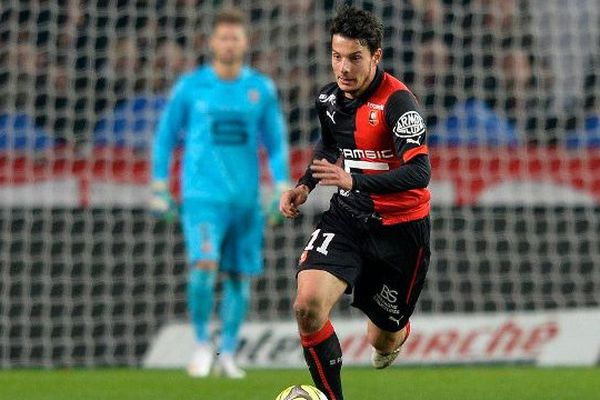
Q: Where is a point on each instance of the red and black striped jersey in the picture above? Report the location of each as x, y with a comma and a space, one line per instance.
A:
381, 138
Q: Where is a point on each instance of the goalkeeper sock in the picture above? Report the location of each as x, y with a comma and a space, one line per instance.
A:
200, 293
323, 354
236, 294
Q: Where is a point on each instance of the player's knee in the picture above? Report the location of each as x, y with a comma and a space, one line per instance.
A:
206, 265
310, 313
238, 284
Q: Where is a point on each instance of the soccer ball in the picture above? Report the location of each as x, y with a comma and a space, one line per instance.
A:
303, 392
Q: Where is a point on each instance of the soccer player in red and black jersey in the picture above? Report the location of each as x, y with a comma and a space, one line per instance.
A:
374, 239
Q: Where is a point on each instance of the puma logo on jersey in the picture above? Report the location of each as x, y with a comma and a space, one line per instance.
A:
331, 115
396, 320
409, 125
416, 141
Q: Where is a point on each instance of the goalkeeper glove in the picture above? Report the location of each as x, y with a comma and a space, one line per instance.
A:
274, 216
162, 204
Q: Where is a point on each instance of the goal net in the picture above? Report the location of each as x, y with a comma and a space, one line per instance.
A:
87, 275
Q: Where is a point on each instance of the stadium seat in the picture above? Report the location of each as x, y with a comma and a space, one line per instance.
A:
588, 136
18, 132
131, 124
473, 123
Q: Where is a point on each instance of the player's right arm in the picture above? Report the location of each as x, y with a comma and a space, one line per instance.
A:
291, 199
325, 148
171, 123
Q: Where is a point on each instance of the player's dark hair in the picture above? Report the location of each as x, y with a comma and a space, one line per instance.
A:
354, 23
230, 15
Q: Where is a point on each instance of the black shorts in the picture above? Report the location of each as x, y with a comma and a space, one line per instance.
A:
385, 266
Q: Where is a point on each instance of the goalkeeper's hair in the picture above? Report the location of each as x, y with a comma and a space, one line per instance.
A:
354, 23
230, 15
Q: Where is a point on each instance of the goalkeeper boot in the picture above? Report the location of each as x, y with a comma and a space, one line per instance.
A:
380, 360
228, 368
201, 363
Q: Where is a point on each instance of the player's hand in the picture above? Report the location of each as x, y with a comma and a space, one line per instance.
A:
292, 199
274, 216
162, 204
331, 175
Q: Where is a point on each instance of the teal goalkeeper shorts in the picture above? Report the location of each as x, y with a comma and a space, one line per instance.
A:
231, 235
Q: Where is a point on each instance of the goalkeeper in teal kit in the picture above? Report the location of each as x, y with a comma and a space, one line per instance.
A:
225, 112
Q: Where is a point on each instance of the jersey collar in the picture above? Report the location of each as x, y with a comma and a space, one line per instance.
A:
244, 72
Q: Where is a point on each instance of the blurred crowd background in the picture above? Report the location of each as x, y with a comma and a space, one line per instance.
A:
487, 72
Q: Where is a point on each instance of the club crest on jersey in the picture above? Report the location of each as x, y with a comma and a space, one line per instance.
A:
253, 96
409, 125
373, 119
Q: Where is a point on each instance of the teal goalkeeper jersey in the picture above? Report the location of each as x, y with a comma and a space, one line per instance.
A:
223, 124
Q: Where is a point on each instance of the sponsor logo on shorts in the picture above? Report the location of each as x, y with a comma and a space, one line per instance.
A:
386, 299
388, 294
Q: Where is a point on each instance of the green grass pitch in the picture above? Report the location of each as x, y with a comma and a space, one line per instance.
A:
435, 383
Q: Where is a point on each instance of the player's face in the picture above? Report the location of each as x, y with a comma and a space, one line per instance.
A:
353, 64
229, 43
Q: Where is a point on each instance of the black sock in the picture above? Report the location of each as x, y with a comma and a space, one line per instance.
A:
323, 354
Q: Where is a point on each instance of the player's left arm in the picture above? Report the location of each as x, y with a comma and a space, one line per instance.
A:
410, 141
275, 138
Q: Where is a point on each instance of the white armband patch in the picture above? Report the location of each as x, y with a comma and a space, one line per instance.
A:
409, 125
